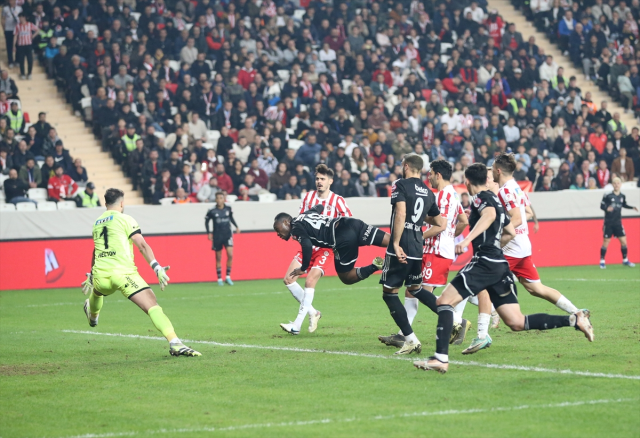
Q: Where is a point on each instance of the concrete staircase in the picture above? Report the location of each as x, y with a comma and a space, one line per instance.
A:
41, 94
512, 15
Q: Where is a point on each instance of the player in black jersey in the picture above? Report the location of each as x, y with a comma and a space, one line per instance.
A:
612, 204
412, 201
222, 235
491, 230
343, 234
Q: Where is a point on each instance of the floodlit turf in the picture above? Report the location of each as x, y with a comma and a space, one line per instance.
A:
58, 383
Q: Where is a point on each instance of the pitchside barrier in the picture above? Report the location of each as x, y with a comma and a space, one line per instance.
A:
50, 249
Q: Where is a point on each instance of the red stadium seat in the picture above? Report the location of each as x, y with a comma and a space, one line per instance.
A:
526, 186
172, 88
426, 94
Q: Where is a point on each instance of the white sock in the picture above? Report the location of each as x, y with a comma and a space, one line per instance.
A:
411, 305
458, 311
296, 290
309, 292
304, 307
566, 305
473, 300
493, 309
175, 340
483, 325
411, 338
442, 357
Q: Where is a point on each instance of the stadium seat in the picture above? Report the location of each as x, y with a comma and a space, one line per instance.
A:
346, 83
303, 107
47, 206
426, 93
444, 47
11, 101
2, 197
93, 27
231, 198
208, 146
267, 197
167, 201
175, 66
26, 206
66, 205
135, 15
299, 13
37, 194
295, 144
284, 75
85, 102
7, 207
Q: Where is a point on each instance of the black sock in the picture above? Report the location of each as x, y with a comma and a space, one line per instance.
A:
427, 298
624, 252
544, 321
603, 252
365, 271
228, 270
398, 312
219, 272
445, 326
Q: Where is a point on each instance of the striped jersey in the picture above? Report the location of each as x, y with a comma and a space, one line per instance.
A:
444, 243
511, 196
24, 33
334, 205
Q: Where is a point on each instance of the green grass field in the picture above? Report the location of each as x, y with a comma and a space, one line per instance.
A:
61, 378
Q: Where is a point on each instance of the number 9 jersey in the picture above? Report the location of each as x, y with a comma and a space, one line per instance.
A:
420, 202
112, 233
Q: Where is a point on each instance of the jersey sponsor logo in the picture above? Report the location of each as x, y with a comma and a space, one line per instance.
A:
103, 220
367, 233
416, 277
106, 254
410, 226
52, 269
422, 190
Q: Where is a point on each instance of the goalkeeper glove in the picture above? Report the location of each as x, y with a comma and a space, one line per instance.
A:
87, 285
161, 273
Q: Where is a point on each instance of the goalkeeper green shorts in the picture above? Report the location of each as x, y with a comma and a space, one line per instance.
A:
128, 284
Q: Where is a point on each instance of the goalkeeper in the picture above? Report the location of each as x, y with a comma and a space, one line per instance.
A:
113, 269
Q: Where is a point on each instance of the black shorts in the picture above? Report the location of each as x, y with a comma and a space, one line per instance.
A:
220, 243
350, 235
613, 230
395, 274
494, 276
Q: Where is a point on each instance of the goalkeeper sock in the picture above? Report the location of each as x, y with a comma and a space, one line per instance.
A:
95, 303
219, 272
161, 322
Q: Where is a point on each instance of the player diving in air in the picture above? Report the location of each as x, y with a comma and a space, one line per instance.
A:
113, 269
612, 204
490, 231
334, 206
344, 235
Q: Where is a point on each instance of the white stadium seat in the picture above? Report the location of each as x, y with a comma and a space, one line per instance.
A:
26, 206
47, 206
66, 205
175, 65
295, 144
93, 27
7, 207
135, 15
267, 197
299, 13
167, 201
231, 199
37, 194
284, 75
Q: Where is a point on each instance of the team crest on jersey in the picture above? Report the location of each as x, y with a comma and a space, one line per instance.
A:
326, 253
477, 202
510, 196
428, 264
328, 208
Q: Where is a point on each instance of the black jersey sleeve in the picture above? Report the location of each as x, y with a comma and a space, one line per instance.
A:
605, 202
434, 210
301, 235
624, 203
231, 219
207, 219
398, 192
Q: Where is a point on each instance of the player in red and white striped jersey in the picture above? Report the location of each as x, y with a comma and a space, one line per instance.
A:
439, 249
334, 206
518, 251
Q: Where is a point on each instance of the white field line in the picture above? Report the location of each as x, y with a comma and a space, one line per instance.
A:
198, 297
373, 356
595, 279
211, 429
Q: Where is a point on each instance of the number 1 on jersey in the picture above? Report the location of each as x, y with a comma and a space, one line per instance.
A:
106, 237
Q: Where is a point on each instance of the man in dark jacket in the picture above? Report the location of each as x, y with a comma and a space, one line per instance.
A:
15, 189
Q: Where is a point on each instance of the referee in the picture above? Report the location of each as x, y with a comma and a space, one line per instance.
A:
612, 204
24, 34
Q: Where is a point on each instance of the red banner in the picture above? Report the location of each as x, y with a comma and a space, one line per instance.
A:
264, 256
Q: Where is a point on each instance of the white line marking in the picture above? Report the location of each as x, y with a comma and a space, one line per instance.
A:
373, 356
353, 419
239, 294
594, 279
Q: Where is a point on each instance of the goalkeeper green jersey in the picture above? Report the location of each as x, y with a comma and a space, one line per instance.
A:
112, 233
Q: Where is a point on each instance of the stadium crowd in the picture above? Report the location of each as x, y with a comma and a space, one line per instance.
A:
249, 96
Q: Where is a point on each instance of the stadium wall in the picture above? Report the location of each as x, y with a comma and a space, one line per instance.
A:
570, 234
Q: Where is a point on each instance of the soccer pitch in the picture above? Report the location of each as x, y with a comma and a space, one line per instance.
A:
61, 378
